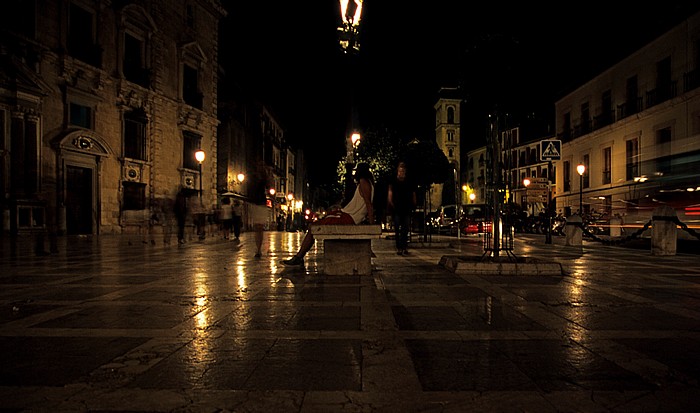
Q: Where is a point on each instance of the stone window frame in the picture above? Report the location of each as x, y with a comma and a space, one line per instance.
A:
136, 22
192, 55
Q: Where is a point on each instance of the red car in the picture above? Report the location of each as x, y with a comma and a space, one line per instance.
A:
475, 219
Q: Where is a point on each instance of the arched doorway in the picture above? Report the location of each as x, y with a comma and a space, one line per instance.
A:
79, 156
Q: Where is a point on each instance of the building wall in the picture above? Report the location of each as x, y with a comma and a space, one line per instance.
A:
664, 118
172, 34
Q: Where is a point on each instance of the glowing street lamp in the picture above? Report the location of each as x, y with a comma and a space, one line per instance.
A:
199, 156
527, 183
581, 168
351, 13
290, 203
241, 178
355, 139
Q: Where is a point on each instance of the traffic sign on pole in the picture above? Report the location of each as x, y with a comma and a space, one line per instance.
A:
550, 149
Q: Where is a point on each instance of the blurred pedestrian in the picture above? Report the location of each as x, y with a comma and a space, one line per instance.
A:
401, 201
226, 217
237, 219
180, 208
260, 213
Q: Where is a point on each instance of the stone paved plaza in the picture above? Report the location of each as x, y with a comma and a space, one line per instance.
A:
115, 324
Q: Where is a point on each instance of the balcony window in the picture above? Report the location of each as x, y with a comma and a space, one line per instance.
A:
134, 64
607, 165
191, 143
190, 87
81, 36
567, 176
631, 159
135, 134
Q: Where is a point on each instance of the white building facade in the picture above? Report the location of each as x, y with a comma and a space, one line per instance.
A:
636, 130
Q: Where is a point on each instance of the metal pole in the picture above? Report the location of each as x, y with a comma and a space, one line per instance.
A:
201, 202
580, 195
458, 202
548, 238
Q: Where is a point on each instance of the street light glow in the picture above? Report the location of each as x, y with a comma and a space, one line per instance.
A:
351, 10
199, 156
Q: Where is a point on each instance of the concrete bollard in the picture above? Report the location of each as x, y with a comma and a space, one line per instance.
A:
663, 231
573, 231
615, 229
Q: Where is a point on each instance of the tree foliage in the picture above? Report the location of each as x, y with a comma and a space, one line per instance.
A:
382, 149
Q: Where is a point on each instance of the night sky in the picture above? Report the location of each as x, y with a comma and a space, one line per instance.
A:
518, 58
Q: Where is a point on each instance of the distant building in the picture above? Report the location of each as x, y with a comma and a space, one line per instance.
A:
102, 107
249, 131
448, 138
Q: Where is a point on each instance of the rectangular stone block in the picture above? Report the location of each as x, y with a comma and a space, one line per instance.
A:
347, 249
347, 256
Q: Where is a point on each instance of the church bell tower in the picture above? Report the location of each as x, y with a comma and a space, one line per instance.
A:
448, 136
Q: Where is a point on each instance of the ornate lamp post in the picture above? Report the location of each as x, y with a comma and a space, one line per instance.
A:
581, 168
349, 30
348, 36
199, 156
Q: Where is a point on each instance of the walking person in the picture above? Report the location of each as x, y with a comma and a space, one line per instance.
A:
401, 201
181, 215
226, 217
237, 210
260, 213
355, 212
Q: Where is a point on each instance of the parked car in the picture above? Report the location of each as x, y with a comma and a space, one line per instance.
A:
469, 218
446, 219
475, 219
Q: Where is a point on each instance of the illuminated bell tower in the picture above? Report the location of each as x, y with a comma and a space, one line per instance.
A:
448, 136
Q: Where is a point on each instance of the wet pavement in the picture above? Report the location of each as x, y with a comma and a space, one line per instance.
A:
116, 324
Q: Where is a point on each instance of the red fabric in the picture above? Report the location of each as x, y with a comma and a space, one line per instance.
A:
337, 217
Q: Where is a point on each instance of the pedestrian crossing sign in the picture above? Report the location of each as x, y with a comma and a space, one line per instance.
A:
550, 150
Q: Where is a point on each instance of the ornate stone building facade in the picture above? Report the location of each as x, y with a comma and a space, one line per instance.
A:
102, 107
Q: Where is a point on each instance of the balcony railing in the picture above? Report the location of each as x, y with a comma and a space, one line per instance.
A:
691, 80
629, 108
661, 94
604, 119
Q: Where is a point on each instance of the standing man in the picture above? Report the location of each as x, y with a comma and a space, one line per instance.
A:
401, 202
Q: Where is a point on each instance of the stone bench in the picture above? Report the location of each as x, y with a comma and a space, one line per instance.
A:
347, 249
